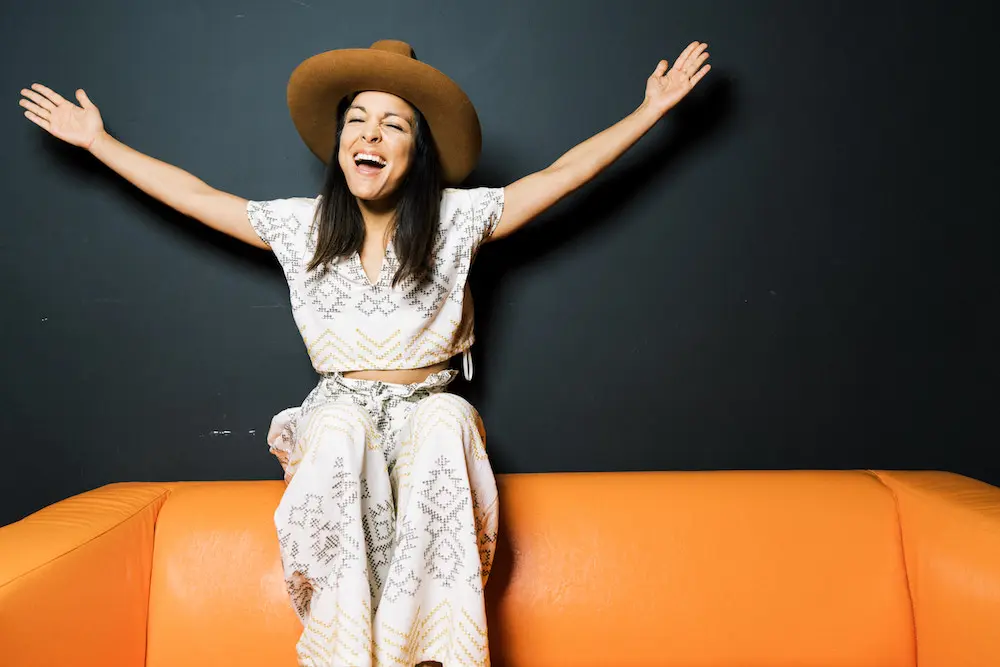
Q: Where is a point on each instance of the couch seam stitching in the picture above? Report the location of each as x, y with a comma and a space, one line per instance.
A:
906, 568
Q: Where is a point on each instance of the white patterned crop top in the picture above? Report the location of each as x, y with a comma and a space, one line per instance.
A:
347, 322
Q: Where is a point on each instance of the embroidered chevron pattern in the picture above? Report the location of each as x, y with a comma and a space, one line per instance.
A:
342, 639
362, 350
445, 634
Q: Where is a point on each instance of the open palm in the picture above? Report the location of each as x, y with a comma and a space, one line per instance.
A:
665, 88
77, 125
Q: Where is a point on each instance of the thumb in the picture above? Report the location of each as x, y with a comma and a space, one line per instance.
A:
84, 100
661, 68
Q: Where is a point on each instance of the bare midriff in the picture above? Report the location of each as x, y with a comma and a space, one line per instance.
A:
404, 376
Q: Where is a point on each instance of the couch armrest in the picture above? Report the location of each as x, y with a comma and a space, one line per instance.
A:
951, 544
74, 579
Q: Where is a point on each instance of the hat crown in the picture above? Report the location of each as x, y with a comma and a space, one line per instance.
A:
320, 83
394, 46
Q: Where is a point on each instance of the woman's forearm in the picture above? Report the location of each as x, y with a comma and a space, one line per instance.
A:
586, 160
169, 184
177, 188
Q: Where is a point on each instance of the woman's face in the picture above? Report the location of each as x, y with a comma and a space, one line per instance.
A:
376, 144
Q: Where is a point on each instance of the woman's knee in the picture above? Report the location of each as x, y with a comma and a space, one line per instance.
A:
338, 426
446, 421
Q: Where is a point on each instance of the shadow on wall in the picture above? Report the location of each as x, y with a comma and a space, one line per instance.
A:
683, 131
79, 165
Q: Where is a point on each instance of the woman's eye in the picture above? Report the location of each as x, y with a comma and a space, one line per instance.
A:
397, 127
353, 120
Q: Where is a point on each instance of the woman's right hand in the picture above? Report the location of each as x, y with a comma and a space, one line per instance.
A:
76, 125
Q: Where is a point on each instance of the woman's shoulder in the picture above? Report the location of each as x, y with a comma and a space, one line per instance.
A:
300, 202
297, 207
468, 198
474, 211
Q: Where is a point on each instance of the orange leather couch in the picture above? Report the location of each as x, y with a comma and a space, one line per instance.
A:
680, 569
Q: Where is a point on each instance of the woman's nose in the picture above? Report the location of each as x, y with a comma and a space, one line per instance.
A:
371, 134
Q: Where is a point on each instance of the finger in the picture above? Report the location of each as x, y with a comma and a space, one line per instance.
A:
700, 75
56, 98
38, 99
692, 51
84, 101
682, 58
661, 68
40, 122
35, 109
695, 63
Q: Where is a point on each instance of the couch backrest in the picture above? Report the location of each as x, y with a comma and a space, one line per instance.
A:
672, 569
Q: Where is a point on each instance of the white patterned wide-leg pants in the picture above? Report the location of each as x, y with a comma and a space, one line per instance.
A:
388, 525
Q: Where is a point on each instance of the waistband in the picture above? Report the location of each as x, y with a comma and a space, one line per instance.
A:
437, 380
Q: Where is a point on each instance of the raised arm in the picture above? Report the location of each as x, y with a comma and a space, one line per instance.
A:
82, 126
526, 198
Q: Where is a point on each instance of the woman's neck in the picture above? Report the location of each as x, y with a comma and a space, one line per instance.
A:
378, 216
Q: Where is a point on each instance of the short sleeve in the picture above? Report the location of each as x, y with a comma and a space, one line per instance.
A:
283, 224
487, 208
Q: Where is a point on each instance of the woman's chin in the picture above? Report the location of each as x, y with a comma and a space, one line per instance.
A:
370, 193
364, 191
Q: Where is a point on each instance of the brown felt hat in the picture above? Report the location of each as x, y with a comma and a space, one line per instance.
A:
318, 85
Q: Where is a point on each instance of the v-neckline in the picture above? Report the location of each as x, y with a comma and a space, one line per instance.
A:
381, 268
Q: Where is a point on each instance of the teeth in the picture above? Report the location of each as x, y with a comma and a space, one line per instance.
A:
370, 157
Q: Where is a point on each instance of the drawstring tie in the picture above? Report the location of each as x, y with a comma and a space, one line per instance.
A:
467, 363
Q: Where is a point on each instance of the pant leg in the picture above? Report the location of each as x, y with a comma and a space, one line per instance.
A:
335, 525
432, 606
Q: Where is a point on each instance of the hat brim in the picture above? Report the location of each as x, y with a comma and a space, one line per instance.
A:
318, 85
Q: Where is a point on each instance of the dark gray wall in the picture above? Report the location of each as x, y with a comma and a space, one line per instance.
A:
794, 270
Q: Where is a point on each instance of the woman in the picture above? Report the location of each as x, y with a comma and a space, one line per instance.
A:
388, 522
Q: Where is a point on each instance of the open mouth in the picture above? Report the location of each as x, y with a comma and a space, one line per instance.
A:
369, 163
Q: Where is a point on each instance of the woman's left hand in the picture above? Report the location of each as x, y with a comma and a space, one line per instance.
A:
665, 88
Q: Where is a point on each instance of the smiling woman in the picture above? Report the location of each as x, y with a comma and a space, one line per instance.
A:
371, 191
376, 138
389, 520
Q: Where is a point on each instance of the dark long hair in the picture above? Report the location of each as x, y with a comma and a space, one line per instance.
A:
341, 227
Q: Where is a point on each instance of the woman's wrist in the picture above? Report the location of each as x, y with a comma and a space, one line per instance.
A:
98, 142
